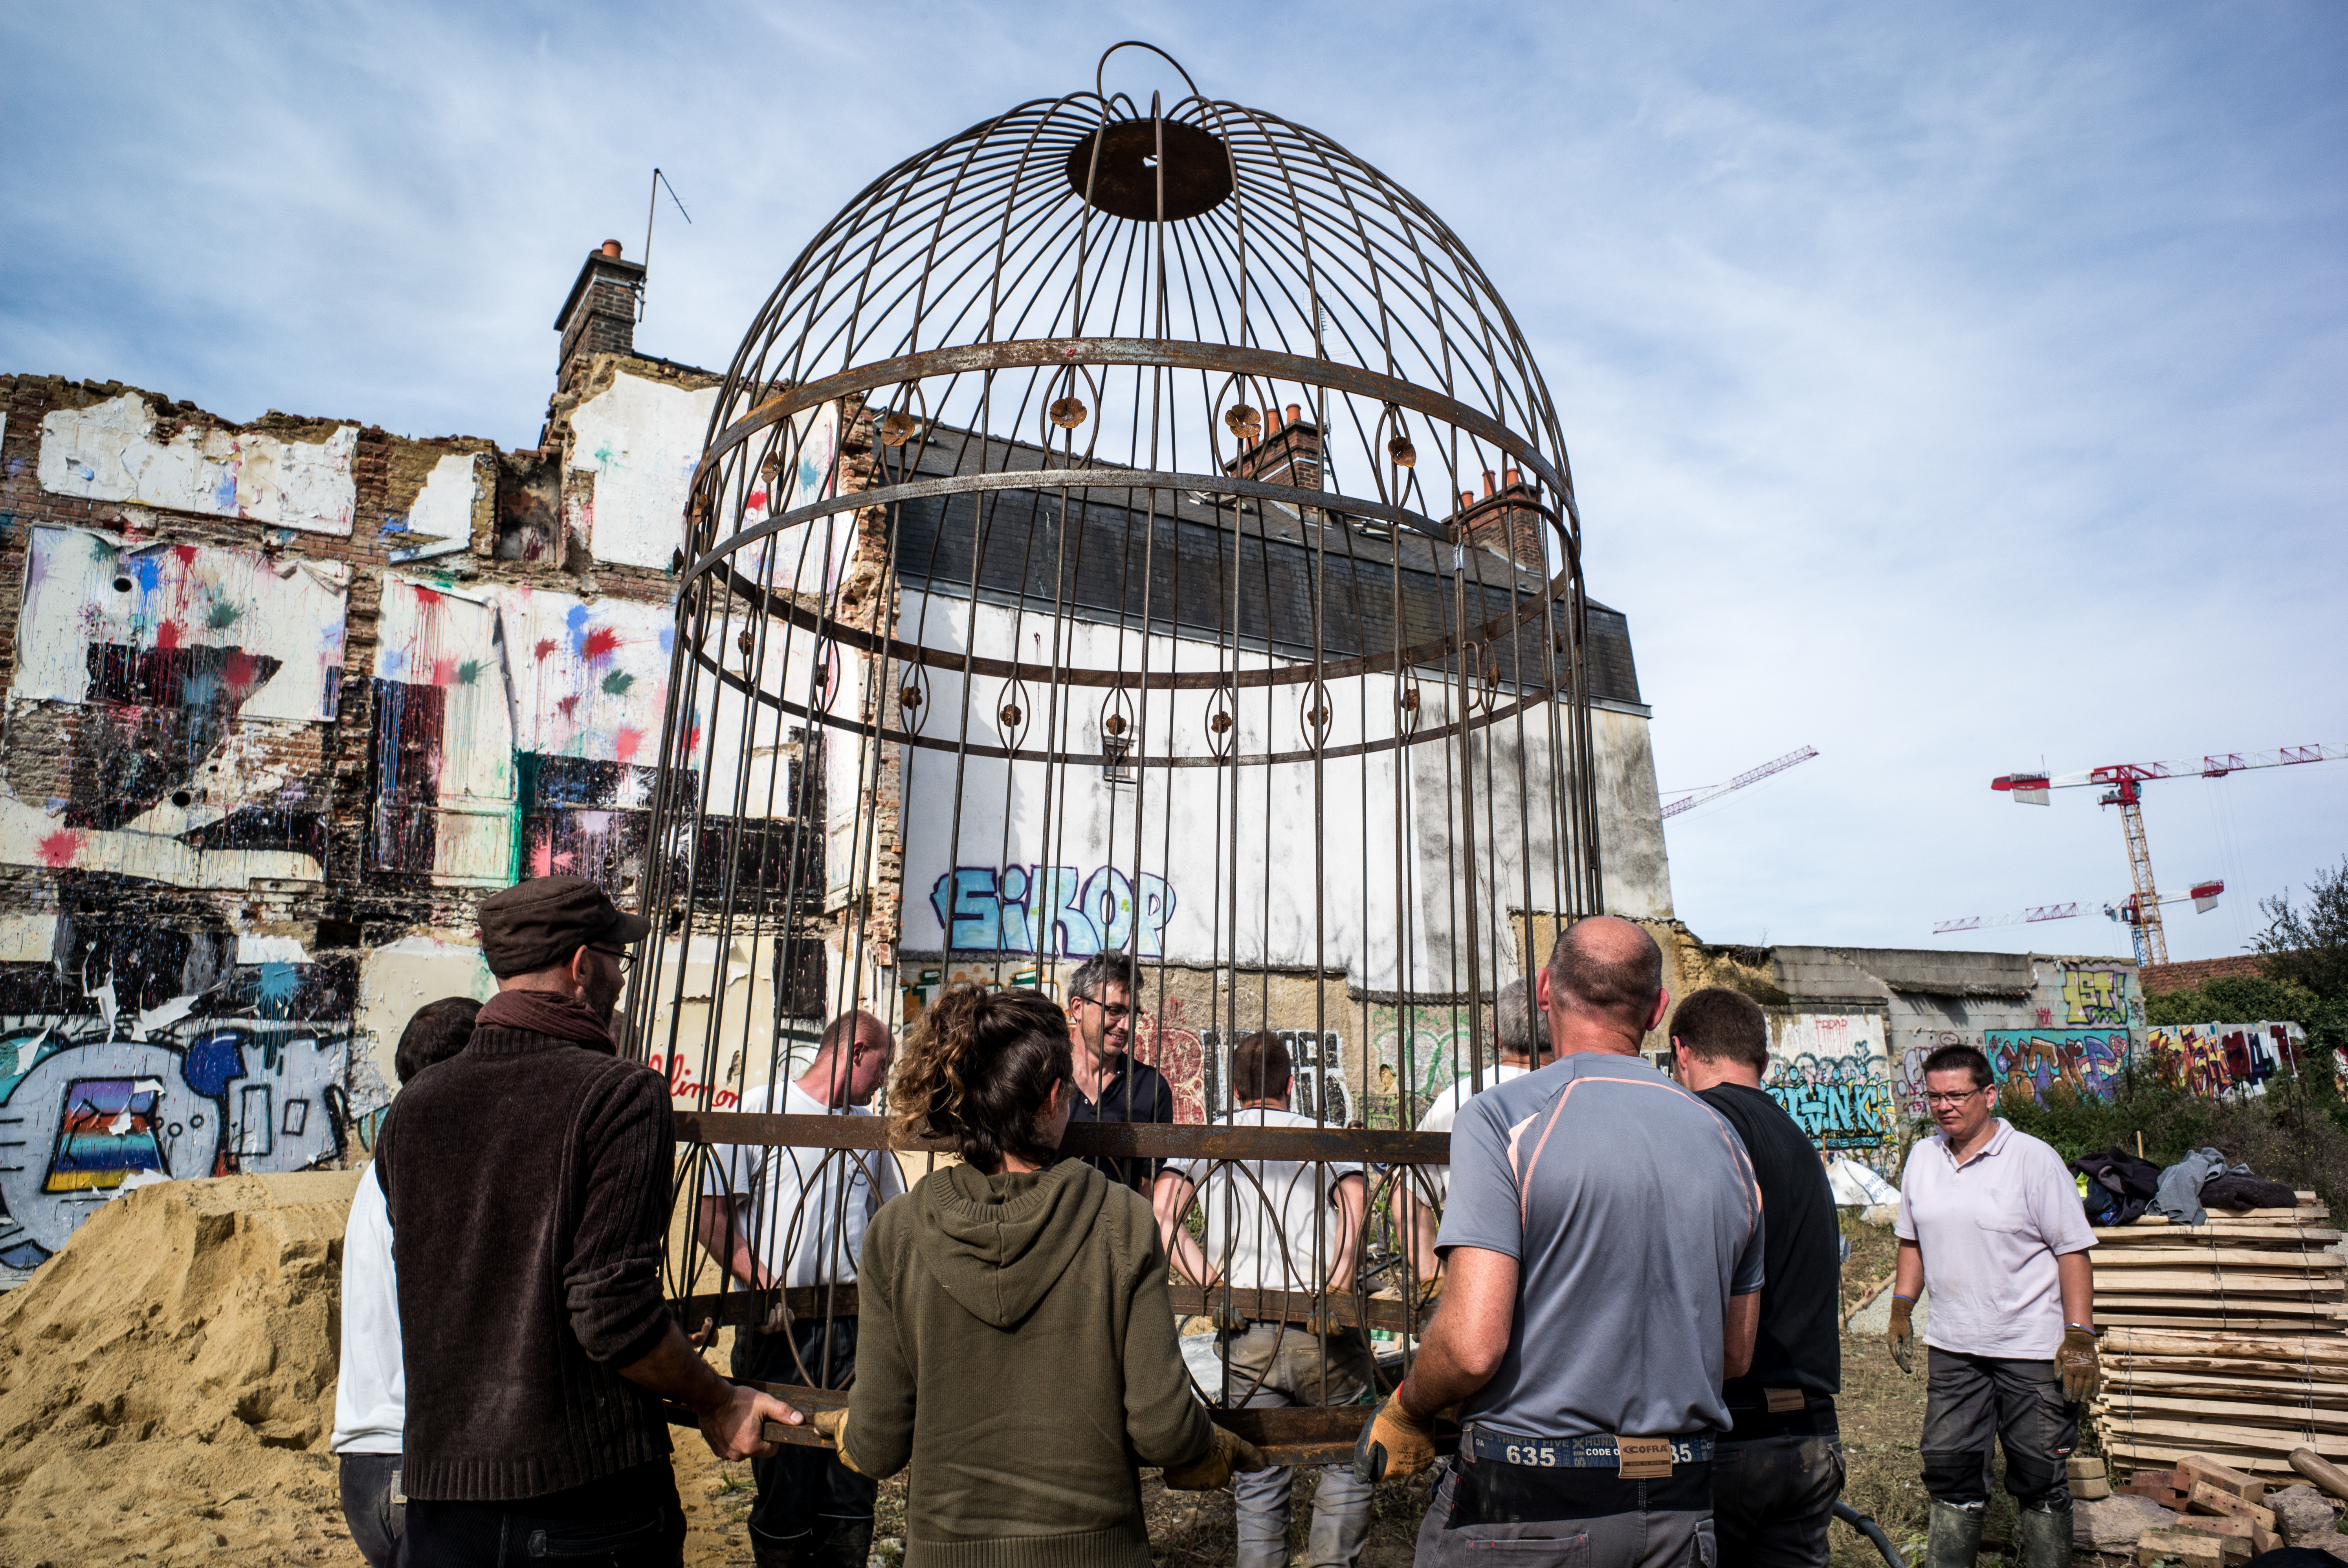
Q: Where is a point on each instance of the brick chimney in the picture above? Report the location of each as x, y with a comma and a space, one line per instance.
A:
599, 317
1289, 455
1509, 516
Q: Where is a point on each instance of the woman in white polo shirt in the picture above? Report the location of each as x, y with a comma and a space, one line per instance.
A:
1991, 1224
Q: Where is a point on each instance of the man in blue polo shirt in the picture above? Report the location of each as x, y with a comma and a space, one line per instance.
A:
1604, 1244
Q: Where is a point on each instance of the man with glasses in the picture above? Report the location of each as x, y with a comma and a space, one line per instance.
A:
1991, 1224
1110, 1085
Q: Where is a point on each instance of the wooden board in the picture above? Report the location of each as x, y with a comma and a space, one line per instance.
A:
2310, 1348
2118, 1411
2194, 1282
2200, 1385
2316, 1374
2218, 1256
2209, 1437
2160, 1454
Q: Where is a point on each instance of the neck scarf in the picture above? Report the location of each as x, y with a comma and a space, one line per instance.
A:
547, 1013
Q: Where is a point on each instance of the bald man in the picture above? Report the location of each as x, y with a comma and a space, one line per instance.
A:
789, 1218
1603, 1247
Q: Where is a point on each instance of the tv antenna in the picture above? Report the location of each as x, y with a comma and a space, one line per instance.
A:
652, 205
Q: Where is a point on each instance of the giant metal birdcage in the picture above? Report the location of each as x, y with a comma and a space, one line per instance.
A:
1129, 530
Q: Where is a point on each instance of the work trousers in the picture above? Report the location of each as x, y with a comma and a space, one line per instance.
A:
628, 1519
1970, 1400
810, 1507
372, 1506
1287, 1366
1773, 1499
1567, 1519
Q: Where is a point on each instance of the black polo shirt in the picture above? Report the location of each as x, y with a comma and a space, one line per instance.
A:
1130, 1092
1799, 1344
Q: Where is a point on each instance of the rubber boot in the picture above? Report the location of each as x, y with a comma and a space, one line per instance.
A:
842, 1546
2045, 1538
1954, 1540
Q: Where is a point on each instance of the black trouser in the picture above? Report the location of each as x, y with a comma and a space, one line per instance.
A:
1969, 1401
628, 1519
807, 1499
1775, 1480
369, 1482
1487, 1511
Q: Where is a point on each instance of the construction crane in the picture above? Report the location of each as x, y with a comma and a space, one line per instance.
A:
1694, 798
2125, 781
2204, 896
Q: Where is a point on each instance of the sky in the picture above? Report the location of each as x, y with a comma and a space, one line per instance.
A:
1951, 389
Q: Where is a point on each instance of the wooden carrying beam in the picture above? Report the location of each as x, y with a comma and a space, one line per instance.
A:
1298, 1435
1111, 1140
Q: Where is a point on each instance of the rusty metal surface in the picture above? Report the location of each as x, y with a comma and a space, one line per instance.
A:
1124, 1140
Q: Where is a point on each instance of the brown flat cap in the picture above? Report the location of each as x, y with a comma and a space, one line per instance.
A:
537, 923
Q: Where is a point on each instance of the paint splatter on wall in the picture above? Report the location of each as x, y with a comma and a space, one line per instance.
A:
443, 738
108, 452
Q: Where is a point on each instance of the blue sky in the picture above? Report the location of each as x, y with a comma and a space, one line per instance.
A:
1949, 388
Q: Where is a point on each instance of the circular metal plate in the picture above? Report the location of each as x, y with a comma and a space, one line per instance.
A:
1136, 154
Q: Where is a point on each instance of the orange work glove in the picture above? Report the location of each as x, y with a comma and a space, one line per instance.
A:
1394, 1444
1899, 1337
833, 1424
2081, 1373
1227, 1453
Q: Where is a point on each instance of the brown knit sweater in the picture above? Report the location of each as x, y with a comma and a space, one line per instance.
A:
528, 1179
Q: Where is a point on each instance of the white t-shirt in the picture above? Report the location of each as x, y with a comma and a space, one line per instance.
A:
1443, 1110
808, 1207
1271, 1223
1990, 1231
371, 1395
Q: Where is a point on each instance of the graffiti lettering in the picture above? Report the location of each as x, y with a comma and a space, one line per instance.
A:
2089, 1060
1050, 910
1833, 1082
2095, 997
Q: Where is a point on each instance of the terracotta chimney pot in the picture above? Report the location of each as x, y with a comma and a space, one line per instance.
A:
1466, 499
611, 247
1513, 478
1488, 481
1294, 410
1271, 415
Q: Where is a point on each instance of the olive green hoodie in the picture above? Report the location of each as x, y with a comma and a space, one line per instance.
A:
1017, 1347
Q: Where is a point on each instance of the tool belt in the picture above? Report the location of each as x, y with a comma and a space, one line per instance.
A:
1646, 1458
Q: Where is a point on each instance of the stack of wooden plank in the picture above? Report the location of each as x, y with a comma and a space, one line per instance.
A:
2245, 1399
2221, 1517
2258, 1271
2223, 1340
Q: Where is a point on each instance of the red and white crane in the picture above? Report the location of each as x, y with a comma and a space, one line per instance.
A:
1691, 799
2125, 781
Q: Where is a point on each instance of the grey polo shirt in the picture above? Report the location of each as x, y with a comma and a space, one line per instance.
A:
1632, 1211
1990, 1231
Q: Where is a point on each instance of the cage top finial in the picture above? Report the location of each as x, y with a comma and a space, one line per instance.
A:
1100, 70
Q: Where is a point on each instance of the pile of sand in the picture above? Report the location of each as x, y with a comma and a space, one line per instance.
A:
166, 1380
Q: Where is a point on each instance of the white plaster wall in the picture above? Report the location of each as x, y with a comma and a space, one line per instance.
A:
398, 977
640, 439
107, 452
440, 522
1632, 861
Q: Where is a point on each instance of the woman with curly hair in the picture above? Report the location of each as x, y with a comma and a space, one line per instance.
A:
1016, 1344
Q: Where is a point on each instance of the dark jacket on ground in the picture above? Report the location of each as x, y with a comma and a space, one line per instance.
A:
528, 1178
1017, 1347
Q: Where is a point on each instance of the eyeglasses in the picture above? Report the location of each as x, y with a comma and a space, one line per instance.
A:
626, 958
1115, 1013
1951, 1099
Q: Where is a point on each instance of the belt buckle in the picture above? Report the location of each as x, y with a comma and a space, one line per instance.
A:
1642, 1459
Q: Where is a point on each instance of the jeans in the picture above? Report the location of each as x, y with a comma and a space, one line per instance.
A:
369, 1484
1773, 1497
628, 1519
1969, 1401
807, 1499
1285, 1366
1489, 1513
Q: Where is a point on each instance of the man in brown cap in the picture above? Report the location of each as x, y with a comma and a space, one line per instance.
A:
528, 1180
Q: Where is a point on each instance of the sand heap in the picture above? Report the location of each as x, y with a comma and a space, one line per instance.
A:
166, 1380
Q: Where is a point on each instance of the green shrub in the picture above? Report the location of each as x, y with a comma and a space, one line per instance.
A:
2236, 999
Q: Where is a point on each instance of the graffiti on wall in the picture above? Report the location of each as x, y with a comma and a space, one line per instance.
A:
188, 681
2220, 1058
1316, 1073
1832, 1076
1052, 910
2092, 998
143, 1054
2089, 1060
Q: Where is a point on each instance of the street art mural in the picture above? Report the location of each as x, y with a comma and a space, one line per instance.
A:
1831, 1074
508, 722
140, 1054
2224, 1058
1317, 1068
1060, 911
1421, 1049
2089, 1060
180, 689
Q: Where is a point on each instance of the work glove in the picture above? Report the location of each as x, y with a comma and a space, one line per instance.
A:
1430, 1291
1899, 1337
1394, 1444
833, 1424
1226, 1316
2082, 1374
1324, 1320
1230, 1452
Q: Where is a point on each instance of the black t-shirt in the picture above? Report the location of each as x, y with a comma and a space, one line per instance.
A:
1130, 1092
1799, 1345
